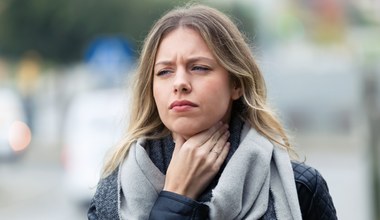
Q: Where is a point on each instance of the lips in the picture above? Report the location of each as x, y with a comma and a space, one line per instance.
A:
182, 104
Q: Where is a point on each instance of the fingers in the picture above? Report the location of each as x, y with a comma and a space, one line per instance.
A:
217, 139
202, 137
222, 156
220, 143
221, 147
197, 160
217, 135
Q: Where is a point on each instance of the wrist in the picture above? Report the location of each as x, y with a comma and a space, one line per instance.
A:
179, 191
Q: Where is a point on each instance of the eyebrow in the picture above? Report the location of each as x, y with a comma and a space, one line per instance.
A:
191, 60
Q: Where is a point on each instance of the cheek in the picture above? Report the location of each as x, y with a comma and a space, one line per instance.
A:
219, 90
156, 96
159, 98
218, 96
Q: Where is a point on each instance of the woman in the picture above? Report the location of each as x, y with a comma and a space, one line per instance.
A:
202, 142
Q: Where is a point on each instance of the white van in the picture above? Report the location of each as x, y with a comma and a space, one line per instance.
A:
93, 124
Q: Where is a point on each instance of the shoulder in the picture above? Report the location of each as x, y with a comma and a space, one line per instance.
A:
306, 175
313, 193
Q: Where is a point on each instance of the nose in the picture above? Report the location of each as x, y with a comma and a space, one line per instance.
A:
182, 82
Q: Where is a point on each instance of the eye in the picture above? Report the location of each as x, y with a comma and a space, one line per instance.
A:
163, 72
200, 68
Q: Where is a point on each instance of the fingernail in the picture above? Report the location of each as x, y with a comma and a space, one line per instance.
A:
226, 127
227, 134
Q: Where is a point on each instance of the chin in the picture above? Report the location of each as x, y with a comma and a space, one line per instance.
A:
186, 130
185, 133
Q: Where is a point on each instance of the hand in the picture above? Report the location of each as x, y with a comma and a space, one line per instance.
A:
195, 162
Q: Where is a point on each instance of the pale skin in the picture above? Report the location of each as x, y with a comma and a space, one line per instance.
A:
193, 94
197, 160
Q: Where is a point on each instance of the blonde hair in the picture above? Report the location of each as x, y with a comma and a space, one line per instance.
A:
229, 48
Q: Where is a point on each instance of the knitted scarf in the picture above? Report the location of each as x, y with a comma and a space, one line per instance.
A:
256, 182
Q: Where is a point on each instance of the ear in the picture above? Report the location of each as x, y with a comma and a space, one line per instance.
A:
236, 92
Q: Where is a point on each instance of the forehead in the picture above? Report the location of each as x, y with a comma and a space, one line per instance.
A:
183, 40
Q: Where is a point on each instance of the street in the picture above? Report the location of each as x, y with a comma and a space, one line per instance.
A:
35, 191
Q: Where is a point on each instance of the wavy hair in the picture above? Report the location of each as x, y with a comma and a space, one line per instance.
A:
230, 49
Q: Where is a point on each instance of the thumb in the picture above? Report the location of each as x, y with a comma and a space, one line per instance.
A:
179, 141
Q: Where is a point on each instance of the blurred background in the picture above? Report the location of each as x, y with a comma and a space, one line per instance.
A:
64, 73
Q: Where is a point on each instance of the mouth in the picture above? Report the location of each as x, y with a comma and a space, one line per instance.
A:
182, 104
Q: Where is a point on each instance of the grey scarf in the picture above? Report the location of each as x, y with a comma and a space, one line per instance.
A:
262, 167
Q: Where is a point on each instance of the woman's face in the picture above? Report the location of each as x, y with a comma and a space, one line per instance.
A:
191, 89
